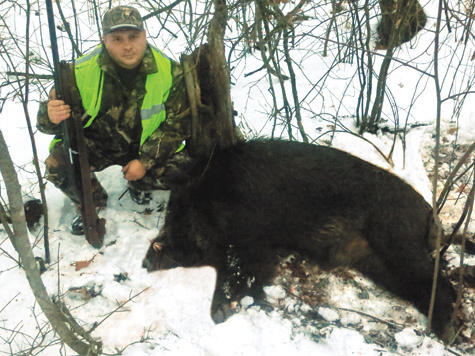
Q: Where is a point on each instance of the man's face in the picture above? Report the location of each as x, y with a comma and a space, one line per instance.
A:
126, 47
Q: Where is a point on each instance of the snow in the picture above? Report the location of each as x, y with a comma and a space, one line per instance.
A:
168, 312
408, 338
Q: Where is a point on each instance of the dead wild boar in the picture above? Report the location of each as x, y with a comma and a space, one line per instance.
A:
246, 202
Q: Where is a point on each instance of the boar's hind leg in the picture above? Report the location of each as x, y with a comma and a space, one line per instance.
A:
409, 276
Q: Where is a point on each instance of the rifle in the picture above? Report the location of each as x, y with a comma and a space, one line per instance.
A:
74, 142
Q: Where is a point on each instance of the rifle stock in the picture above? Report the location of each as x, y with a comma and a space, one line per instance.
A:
74, 142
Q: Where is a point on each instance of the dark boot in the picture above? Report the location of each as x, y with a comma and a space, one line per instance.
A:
77, 227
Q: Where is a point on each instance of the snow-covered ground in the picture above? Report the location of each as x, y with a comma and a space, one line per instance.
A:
136, 313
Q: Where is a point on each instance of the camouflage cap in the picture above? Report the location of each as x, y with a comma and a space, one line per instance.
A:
121, 17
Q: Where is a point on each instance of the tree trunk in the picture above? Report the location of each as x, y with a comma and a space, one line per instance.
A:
208, 86
220, 74
67, 329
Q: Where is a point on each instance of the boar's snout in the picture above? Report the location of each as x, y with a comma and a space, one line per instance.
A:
153, 256
147, 264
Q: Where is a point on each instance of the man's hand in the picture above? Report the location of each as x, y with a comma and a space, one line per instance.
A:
134, 170
58, 110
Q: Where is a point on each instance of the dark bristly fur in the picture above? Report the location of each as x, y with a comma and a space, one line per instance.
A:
248, 201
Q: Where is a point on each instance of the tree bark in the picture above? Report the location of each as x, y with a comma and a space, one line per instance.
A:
220, 74
207, 80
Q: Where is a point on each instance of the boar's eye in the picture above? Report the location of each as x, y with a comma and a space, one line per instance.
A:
157, 246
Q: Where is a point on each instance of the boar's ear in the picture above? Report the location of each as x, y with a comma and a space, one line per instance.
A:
157, 246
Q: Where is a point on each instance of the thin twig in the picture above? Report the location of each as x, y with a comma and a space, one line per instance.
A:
121, 305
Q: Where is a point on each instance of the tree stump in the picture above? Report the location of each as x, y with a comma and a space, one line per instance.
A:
208, 88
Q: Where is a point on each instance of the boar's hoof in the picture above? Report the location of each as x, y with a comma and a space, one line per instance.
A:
264, 304
221, 311
451, 333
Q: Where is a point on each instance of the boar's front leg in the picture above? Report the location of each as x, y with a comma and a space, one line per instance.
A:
244, 273
221, 304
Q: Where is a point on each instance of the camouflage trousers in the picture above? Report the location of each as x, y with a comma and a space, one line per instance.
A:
155, 178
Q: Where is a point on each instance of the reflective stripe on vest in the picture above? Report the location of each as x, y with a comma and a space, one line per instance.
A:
148, 113
89, 78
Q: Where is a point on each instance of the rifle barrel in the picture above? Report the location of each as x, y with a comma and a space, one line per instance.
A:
54, 46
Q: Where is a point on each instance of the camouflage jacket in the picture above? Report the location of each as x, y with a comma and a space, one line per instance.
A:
117, 128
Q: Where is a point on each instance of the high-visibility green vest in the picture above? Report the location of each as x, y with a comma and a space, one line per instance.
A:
90, 81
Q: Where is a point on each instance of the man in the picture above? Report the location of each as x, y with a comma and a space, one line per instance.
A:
136, 103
